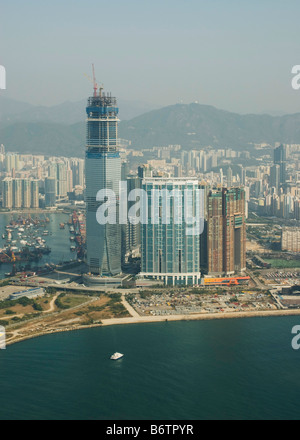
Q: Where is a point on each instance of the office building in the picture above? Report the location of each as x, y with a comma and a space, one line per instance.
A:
103, 172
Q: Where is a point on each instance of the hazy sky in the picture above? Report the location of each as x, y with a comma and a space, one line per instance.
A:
234, 54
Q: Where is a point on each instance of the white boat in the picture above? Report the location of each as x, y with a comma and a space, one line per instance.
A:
116, 356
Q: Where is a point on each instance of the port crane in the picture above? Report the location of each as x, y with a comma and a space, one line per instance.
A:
12, 257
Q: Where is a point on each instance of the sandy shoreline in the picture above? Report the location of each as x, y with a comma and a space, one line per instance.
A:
167, 318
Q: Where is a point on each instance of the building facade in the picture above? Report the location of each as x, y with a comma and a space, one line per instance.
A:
280, 157
169, 252
226, 231
50, 192
20, 193
103, 172
290, 240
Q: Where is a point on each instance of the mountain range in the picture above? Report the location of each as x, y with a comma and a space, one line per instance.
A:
67, 113
60, 130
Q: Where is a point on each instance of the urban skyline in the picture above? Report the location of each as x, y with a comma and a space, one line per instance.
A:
216, 272
149, 213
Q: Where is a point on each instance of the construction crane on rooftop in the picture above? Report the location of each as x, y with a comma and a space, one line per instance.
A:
95, 84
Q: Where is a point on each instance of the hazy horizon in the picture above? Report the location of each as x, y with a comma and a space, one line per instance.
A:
235, 56
151, 106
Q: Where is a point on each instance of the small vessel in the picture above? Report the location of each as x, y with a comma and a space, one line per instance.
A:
116, 356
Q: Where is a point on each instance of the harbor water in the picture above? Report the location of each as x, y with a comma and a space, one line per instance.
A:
58, 240
204, 370
190, 370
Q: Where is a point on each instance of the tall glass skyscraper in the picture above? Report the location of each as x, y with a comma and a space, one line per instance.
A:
169, 251
103, 171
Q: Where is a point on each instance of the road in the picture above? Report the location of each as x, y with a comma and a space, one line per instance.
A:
258, 283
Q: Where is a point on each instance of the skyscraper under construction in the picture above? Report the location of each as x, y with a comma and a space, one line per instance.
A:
103, 171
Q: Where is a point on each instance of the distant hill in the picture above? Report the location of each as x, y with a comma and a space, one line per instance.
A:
44, 138
196, 125
9, 107
57, 130
190, 125
68, 113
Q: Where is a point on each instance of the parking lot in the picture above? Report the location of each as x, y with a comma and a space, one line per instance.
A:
282, 277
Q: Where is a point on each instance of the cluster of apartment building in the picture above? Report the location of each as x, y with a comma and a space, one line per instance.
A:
33, 181
168, 250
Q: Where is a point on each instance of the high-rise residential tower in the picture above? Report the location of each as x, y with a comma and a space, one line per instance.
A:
275, 177
17, 193
26, 193
50, 192
215, 222
234, 239
7, 192
169, 251
103, 172
61, 179
229, 177
20, 193
34, 193
226, 231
